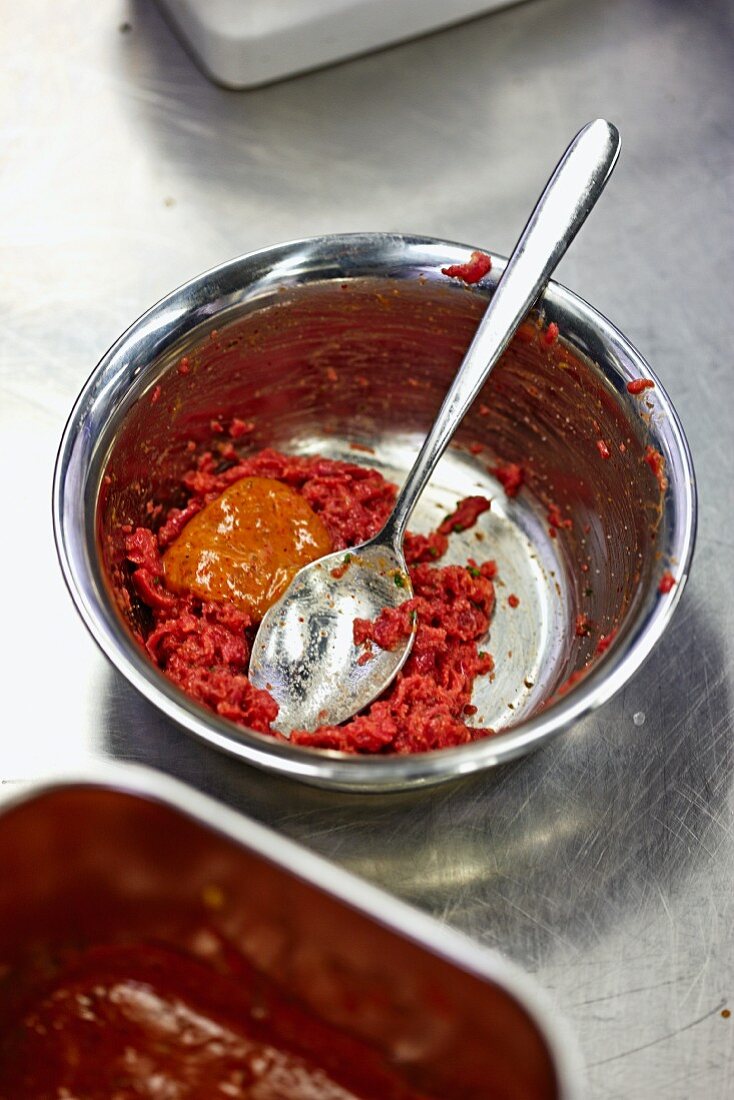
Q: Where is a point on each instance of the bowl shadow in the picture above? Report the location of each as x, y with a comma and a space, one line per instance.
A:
539, 853
310, 148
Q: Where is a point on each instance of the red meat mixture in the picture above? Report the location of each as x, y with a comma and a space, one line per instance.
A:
478, 265
203, 645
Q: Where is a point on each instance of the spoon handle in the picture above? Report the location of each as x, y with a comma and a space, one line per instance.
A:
562, 209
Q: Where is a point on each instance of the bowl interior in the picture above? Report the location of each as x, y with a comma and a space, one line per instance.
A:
355, 367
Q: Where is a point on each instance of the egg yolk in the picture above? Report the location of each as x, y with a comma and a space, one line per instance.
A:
246, 546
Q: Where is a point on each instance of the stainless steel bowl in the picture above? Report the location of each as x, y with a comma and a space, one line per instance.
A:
126, 855
350, 341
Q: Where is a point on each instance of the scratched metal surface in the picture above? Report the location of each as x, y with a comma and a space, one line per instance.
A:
604, 864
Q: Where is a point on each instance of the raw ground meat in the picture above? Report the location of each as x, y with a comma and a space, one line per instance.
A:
204, 646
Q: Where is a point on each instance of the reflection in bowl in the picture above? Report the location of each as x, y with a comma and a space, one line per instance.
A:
344, 347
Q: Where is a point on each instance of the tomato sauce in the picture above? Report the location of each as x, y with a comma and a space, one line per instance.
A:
146, 1020
246, 545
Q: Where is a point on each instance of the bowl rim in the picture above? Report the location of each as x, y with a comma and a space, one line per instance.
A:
342, 256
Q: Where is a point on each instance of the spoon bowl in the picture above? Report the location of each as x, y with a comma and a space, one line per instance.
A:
299, 652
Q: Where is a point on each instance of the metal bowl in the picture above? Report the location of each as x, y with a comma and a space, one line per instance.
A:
347, 342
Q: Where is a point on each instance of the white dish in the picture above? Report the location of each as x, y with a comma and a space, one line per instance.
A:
244, 43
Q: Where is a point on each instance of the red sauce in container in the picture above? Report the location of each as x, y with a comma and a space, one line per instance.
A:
142, 1020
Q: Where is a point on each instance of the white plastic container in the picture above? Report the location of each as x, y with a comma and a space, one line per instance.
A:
244, 43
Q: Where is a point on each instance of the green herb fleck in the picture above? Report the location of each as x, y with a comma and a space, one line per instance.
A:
473, 571
399, 580
458, 527
434, 552
346, 559
483, 654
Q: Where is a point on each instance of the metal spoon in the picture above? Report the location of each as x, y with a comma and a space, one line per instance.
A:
304, 653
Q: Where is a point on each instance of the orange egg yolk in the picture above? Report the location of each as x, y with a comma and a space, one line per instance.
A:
246, 546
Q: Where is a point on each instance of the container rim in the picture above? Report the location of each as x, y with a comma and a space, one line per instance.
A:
376, 904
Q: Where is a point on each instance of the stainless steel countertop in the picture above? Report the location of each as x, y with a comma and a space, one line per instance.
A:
604, 864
